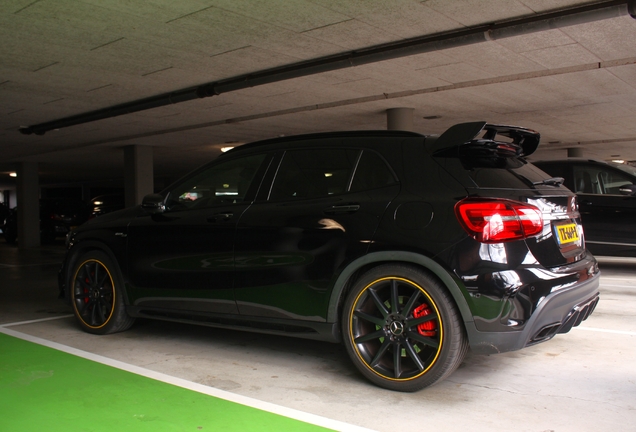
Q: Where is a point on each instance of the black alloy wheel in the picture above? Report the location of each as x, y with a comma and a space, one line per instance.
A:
96, 295
401, 328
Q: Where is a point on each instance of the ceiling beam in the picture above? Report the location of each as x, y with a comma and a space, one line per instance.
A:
436, 42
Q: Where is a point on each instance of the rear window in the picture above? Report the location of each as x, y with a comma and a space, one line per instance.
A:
509, 173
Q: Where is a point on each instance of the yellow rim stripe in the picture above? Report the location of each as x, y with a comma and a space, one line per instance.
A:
112, 284
432, 303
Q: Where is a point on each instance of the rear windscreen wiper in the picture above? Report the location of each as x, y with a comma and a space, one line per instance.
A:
553, 181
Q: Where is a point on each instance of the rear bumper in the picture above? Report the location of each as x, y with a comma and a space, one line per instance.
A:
556, 313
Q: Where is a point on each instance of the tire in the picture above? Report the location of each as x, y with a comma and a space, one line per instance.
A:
402, 329
96, 290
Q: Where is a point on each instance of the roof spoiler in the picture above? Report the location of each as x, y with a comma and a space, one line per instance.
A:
466, 133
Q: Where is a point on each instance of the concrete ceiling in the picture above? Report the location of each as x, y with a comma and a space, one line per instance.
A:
574, 84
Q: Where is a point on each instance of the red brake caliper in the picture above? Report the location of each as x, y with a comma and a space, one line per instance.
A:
428, 328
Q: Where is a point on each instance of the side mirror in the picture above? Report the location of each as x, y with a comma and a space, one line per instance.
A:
153, 204
628, 189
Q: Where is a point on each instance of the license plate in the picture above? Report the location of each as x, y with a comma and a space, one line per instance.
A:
567, 233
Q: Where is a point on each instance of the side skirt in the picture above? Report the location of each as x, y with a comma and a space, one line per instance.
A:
328, 332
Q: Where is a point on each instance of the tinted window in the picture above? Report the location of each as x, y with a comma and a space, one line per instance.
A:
313, 173
372, 172
510, 173
558, 169
599, 179
629, 169
554, 169
223, 183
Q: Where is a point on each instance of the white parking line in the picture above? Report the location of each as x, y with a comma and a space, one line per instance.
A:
29, 265
211, 391
618, 286
617, 278
200, 388
35, 321
622, 332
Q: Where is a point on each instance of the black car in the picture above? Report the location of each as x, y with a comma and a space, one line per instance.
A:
5, 211
57, 217
607, 199
409, 249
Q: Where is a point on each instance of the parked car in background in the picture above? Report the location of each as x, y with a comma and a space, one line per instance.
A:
409, 249
4, 213
607, 200
104, 204
57, 217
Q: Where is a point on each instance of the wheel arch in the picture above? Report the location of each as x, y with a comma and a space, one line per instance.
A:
76, 252
349, 274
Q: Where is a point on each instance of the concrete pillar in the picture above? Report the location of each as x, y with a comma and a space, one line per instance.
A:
138, 173
399, 119
575, 152
28, 199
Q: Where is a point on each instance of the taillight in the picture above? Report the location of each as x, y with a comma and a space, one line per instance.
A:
491, 220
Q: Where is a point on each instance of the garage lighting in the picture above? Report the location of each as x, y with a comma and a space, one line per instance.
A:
229, 145
618, 161
12, 174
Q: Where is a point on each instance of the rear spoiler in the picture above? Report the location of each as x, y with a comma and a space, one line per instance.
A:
524, 141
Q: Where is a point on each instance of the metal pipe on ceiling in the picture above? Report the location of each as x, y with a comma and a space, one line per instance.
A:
467, 36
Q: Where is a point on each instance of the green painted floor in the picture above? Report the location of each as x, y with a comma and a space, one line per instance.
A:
43, 389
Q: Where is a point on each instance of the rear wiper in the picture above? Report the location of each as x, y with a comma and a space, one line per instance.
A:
553, 181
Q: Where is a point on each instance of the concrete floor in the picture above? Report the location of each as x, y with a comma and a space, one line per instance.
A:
581, 381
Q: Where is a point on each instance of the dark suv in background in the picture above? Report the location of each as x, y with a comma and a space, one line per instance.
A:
409, 249
57, 217
607, 200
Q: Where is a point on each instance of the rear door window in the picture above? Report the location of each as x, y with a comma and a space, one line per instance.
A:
314, 173
318, 173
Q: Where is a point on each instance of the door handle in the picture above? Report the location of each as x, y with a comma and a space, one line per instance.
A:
220, 217
341, 209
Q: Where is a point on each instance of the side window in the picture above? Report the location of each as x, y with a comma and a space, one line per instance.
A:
226, 182
372, 173
598, 180
313, 173
612, 180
